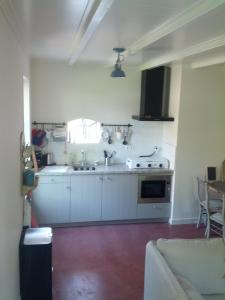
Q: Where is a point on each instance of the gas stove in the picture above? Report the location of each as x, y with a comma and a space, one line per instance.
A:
148, 163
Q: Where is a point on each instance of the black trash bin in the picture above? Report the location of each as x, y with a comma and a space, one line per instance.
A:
35, 254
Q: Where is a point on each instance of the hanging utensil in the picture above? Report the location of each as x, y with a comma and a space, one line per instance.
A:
126, 132
105, 135
110, 137
118, 133
110, 140
105, 154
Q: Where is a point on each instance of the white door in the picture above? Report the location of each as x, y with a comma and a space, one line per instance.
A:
51, 203
119, 197
86, 196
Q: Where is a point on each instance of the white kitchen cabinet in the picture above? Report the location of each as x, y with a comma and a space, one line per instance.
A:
90, 197
98, 197
153, 211
51, 200
119, 197
86, 193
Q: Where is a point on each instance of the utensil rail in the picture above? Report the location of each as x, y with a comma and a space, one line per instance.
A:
116, 125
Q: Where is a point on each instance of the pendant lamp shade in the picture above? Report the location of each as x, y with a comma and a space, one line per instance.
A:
118, 72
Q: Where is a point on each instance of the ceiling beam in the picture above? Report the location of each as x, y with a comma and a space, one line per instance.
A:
193, 12
210, 61
178, 55
93, 15
15, 24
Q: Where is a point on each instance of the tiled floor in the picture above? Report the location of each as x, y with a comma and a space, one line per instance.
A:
106, 262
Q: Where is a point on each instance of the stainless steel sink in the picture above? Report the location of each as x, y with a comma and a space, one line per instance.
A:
55, 169
80, 167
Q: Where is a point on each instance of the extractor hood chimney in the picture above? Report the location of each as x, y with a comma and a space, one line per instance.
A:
155, 86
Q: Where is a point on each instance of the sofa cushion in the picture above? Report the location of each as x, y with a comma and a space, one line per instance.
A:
189, 289
214, 297
201, 261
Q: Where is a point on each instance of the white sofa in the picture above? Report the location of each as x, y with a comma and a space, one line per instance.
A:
183, 269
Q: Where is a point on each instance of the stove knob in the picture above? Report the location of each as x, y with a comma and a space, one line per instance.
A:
138, 165
81, 168
160, 165
149, 165
87, 168
93, 168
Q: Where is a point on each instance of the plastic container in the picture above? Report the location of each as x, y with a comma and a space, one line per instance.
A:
28, 178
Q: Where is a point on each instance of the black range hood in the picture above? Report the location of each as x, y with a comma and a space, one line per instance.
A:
155, 88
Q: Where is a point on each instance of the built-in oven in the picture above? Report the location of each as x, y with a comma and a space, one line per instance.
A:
154, 189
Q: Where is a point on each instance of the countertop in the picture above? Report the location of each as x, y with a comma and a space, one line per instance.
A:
100, 170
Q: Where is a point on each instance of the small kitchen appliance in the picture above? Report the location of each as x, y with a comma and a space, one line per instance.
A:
152, 162
50, 159
154, 188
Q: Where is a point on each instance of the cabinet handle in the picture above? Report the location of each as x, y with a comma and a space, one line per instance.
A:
68, 188
109, 178
52, 179
100, 178
157, 206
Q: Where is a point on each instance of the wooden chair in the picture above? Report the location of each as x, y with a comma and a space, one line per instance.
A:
207, 203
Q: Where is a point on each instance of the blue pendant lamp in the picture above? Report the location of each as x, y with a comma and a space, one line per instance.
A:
118, 72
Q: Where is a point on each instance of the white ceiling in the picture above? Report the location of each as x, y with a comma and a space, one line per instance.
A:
154, 32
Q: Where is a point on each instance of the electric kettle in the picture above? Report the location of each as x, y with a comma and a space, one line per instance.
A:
50, 159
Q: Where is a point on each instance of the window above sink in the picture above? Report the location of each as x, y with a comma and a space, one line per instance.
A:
84, 131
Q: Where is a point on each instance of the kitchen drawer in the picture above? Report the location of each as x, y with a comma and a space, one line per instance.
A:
153, 210
54, 179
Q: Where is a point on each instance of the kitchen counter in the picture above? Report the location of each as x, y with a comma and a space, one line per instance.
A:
100, 170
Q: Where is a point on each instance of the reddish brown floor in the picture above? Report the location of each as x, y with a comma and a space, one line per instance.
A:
106, 262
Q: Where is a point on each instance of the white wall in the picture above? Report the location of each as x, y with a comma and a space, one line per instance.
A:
200, 140
13, 66
62, 93
169, 135
170, 129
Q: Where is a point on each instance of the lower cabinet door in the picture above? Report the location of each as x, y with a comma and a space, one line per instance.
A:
86, 193
153, 211
119, 197
51, 203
